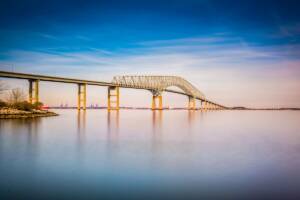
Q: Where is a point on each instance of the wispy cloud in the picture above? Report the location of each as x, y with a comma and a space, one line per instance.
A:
230, 72
81, 37
173, 58
290, 30
184, 41
48, 36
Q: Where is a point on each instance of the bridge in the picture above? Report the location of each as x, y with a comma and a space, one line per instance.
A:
155, 84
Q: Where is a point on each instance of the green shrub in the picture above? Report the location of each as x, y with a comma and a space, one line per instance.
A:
3, 104
37, 105
24, 105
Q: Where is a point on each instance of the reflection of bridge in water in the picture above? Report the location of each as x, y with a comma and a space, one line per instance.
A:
155, 84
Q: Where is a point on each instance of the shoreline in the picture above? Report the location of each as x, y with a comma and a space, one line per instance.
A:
17, 114
176, 108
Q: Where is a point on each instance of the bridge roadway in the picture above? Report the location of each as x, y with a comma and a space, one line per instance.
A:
35, 78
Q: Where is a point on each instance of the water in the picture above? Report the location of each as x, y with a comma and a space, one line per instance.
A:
140, 153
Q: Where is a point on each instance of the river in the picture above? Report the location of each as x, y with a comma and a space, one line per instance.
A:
140, 153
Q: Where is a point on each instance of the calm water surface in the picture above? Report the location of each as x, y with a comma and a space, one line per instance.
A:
140, 153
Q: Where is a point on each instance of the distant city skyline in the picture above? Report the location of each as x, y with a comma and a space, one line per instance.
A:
243, 53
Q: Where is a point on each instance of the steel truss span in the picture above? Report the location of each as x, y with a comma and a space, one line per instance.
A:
158, 84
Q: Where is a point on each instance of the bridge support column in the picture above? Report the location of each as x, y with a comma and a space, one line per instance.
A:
201, 105
204, 105
113, 98
33, 91
192, 103
160, 104
154, 103
81, 96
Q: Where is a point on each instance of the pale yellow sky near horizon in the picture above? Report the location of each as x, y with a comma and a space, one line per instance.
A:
233, 88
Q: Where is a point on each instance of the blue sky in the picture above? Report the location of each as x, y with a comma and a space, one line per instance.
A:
236, 52
113, 25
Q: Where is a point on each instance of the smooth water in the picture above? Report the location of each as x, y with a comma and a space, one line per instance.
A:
162, 154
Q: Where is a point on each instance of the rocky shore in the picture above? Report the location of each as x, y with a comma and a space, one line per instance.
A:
9, 113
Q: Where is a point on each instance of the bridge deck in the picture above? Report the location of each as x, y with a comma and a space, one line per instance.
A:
78, 81
52, 78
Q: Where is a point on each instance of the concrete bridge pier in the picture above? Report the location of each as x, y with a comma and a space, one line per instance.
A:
203, 105
154, 102
206, 106
113, 98
192, 103
81, 96
156, 96
33, 91
201, 108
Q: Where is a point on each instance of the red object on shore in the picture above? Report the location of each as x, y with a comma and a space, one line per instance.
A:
45, 107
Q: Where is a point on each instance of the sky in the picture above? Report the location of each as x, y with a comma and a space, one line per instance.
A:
238, 53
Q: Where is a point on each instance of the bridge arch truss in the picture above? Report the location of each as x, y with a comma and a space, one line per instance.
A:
158, 84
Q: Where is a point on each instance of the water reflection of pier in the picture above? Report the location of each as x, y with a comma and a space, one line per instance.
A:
81, 124
112, 133
156, 141
181, 143
157, 120
81, 132
113, 125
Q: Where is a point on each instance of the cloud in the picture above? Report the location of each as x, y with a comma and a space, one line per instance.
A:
184, 41
81, 37
228, 72
48, 36
289, 30
173, 55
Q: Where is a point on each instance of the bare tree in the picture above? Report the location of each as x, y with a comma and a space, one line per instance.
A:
3, 87
16, 95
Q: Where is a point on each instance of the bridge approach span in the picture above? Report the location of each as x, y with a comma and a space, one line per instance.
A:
156, 84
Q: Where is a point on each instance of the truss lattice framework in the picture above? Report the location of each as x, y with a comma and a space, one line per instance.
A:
158, 84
